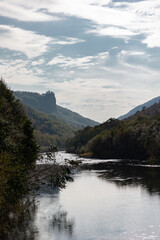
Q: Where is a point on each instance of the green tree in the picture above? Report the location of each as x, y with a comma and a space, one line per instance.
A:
18, 153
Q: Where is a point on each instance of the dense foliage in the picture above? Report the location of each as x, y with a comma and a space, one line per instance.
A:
18, 153
48, 129
135, 138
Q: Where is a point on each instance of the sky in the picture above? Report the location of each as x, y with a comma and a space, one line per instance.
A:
101, 58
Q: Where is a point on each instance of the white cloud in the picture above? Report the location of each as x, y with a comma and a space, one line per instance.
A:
81, 62
65, 62
146, 20
131, 53
152, 39
22, 12
19, 72
38, 62
117, 19
113, 31
67, 41
29, 42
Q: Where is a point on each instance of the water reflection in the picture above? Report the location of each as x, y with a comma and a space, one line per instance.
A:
42, 219
98, 205
25, 228
126, 175
62, 223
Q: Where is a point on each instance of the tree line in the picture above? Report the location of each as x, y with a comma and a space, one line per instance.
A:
134, 138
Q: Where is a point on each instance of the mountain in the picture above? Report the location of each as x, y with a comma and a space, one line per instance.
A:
53, 124
46, 103
73, 118
151, 111
42, 102
140, 107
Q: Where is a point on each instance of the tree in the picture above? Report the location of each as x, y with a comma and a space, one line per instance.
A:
18, 153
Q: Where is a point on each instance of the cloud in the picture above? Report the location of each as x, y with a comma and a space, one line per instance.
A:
38, 62
112, 31
67, 41
23, 12
20, 72
152, 39
28, 42
116, 19
131, 53
81, 62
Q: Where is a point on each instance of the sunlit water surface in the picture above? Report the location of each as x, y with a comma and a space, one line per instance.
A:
113, 204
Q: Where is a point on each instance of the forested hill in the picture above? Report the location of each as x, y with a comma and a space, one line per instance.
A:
137, 137
46, 103
48, 129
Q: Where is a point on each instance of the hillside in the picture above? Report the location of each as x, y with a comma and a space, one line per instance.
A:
140, 107
73, 118
46, 103
151, 111
48, 129
137, 137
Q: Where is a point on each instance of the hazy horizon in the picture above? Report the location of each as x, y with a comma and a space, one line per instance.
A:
100, 58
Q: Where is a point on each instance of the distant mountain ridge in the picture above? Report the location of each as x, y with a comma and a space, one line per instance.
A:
46, 103
140, 108
152, 111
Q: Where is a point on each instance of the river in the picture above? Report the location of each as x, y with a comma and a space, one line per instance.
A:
115, 203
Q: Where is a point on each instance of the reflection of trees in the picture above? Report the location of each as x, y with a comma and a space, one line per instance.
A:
62, 223
124, 175
25, 228
24, 224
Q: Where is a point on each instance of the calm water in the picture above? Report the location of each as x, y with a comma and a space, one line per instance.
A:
118, 203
